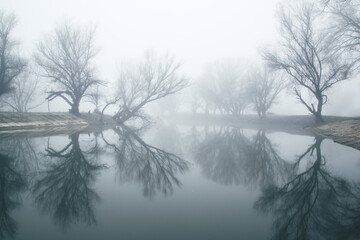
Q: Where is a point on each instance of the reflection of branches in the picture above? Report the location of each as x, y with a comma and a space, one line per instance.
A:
222, 155
23, 153
64, 188
311, 203
11, 184
229, 157
265, 164
154, 168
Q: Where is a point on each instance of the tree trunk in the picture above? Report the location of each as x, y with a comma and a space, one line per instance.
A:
75, 108
317, 113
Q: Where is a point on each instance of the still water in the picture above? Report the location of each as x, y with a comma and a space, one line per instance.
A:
178, 182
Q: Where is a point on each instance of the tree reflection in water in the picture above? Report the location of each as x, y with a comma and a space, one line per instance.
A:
229, 157
63, 189
18, 161
138, 161
12, 184
313, 204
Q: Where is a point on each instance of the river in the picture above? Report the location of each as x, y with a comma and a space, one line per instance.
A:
178, 182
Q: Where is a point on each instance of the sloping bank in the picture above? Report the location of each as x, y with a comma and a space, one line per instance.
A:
48, 123
346, 132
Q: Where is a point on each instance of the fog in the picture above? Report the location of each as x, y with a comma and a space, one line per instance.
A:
196, 32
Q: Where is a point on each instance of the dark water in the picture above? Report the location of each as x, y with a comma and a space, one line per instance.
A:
178, 182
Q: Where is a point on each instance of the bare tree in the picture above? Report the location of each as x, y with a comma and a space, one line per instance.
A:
346, 25
154, 78
11, 64
95, 97
264, 87
222, 87
66, 57
22, 97
308, 54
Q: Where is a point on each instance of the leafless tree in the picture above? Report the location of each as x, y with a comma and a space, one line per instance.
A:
264, 87
308, 54
11, 64
154, 78
222, 87
95, 97
346, 25
66, 57
22, 97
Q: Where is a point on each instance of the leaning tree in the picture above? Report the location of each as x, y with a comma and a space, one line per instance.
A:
66, 57
11, 64
156, 77
309, 54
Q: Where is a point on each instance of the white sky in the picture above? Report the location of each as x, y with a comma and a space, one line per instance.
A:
196, 31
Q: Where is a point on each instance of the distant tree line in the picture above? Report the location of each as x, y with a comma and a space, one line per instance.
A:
318, 48
227, 87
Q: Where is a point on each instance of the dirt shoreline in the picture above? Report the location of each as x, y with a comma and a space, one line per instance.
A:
343, 130
346, 132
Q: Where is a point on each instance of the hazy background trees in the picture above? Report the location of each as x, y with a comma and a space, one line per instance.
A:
25, 94
67, 59
263, 88
11, 64
222, 87
319, 47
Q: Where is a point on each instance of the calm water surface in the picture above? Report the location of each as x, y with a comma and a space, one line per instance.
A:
178, 182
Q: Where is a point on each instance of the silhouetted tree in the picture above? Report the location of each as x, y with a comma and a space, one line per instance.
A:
152, 167
66, 58
63, 189
11, 64
154, 78
308, 54
264, 87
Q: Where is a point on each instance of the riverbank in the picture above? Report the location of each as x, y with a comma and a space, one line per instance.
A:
346, 132
343, 130
39, 124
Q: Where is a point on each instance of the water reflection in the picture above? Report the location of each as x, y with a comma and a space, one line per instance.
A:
153, 168
313, 204
229, 157
64, 188
21, 150
12, 184
18, 161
